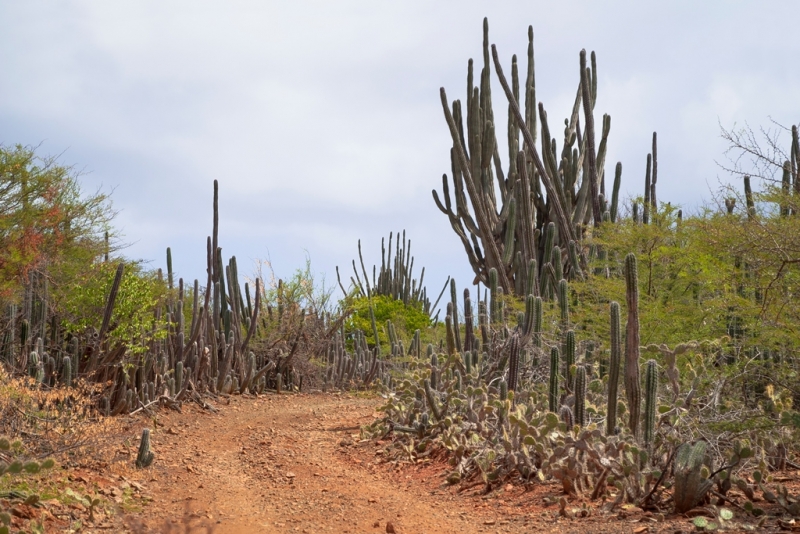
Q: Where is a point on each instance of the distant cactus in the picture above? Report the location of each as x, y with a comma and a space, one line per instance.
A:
179, 376
145, 456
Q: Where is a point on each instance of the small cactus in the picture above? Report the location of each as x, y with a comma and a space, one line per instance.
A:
690, 485
145, 456
66, 372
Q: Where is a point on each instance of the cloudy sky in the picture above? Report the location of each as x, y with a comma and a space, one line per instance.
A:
322, 120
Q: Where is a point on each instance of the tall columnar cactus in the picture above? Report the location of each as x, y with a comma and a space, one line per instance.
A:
494, 301
576, 273
530, 314
395, 277
179, 376
558, 263
615, 192
503, 389
537, 321
513, 363
569, 358
650, 399
553, 393
613, 370
454, 313
434, 370
580, 396
497, 223
24, 331
547, 257
469, 332
145, 456
632, 384
563, 301
450, 330
33, 364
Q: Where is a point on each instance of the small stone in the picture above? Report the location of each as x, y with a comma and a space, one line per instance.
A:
509, 487
376, 524
489, 522
390, 528
290, 475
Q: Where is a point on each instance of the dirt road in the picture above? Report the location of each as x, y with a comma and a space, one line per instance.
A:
295, 463
283, 464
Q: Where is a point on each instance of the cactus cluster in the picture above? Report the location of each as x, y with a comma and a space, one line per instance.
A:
539, 192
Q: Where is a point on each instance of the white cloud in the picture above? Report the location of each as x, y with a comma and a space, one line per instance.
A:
322, 120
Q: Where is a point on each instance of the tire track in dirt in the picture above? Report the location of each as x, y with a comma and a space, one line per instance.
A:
277, 464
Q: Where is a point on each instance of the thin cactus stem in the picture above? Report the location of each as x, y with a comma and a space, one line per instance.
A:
553, 394
650, 399
569, 358
563, 301
580, 396
513, 363
613, 370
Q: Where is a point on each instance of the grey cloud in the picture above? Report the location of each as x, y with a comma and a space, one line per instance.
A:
322, 120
